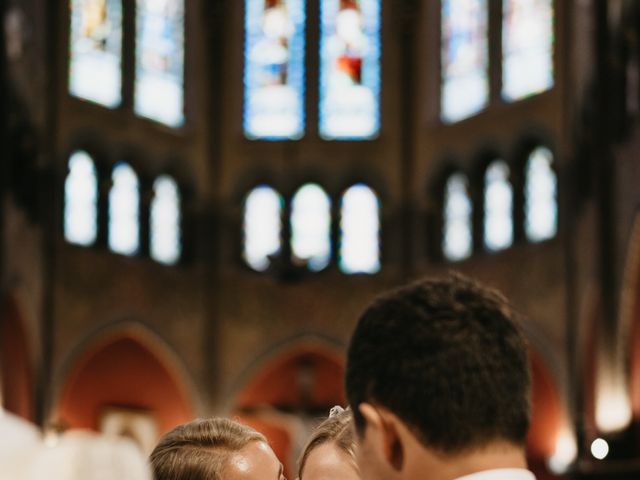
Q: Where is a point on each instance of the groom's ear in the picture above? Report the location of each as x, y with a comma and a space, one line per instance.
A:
382, 430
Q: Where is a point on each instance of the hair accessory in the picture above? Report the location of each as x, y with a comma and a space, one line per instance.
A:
335, 411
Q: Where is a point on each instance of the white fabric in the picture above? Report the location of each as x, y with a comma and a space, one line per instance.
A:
501, 474
19, 443
87, 456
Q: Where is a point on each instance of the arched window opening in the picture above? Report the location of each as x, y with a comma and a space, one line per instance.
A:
159, 81
498, 207
349, 69
124, 205
527, 44
274, 69
262, 226
165, 221
311, 226
360, 231
464, 58
457, 240
95, 71
541, 189
81, 200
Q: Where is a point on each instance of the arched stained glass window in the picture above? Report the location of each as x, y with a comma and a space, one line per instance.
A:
165, 221
457, 241
311, 226
541, 188
160, 61
262, 226
527, 47
124, 215
81, 200
360, 231
96, 51
349, 69
498, 207
464, 58
274, 69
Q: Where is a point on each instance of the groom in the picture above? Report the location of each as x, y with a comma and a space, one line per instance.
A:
438, 380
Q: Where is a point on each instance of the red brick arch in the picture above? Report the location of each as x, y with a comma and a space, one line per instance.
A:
305, 376
126, 369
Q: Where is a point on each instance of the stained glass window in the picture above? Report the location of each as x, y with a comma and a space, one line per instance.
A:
262, 226
464, 58
457, 231
360, 231
124, 203
274, 69
96, 51
349, 69
541, 187
311, 226
165, 221
498, 207
81, 200
160, 61
527, 45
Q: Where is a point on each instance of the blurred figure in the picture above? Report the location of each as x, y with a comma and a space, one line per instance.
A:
330, 452
83, 455
215, 449
438, 379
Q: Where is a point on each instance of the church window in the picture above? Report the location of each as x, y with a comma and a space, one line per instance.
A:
160, 61
311, 226
165, 222
541, 205
262, 226
95, 72
274, 74
457, 227
124, 204
498, 207
527, 44
349, 69
360, 231
464, 58
81, 200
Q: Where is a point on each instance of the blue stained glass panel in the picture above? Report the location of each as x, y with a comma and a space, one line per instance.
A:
274, 69
159, 82
350, 52
96, 51
527, 44
464, 58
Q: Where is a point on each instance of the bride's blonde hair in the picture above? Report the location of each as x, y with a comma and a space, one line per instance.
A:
336, 429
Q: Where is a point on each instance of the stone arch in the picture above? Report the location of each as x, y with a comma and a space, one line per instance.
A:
16, 392
125, 368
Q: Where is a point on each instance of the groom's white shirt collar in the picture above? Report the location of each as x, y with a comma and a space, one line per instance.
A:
501, 474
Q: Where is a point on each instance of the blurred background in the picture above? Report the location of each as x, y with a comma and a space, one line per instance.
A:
198, 198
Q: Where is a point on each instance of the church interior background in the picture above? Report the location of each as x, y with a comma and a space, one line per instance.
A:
198, 198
